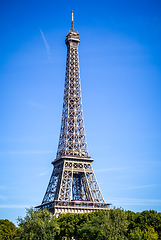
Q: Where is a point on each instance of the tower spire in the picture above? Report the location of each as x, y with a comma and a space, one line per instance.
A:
72, 25
72, 140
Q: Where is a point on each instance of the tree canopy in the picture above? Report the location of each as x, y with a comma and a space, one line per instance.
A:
37, 225
114, 224
7, 230
105, 225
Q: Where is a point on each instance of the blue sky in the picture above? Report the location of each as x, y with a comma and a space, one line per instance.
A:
120, 69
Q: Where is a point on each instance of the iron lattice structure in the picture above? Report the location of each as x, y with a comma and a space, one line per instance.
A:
73, 186
72, 141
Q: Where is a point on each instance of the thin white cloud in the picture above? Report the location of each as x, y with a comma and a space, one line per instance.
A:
27, 139
111, 169
46, 44
134, 201
27, 152
43, 173
33, 104
14, 206
136, 187
2, 197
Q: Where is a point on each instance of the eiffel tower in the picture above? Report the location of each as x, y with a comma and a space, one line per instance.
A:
73, 186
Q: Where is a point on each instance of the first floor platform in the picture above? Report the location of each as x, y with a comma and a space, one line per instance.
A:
58, 207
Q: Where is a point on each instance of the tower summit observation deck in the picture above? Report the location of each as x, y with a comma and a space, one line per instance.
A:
73, 186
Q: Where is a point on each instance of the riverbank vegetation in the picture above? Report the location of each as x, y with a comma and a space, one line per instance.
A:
115, 224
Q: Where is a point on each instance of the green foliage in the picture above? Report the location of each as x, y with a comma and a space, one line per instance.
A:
138, 234
114, 224
69, 224
158, 225
150, 234
144, 221
95, 225
135, 234
7, 230
104, 225
37, 225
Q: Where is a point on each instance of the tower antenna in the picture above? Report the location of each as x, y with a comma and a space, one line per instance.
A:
72, 20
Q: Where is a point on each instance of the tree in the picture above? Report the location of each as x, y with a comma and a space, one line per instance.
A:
70, 223
144, 221
138, 234
110, 225
150, 234
158, 225
37, 225
67, 223
7, 230
131, 217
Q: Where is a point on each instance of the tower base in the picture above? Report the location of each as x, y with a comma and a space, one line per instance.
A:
58, 207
